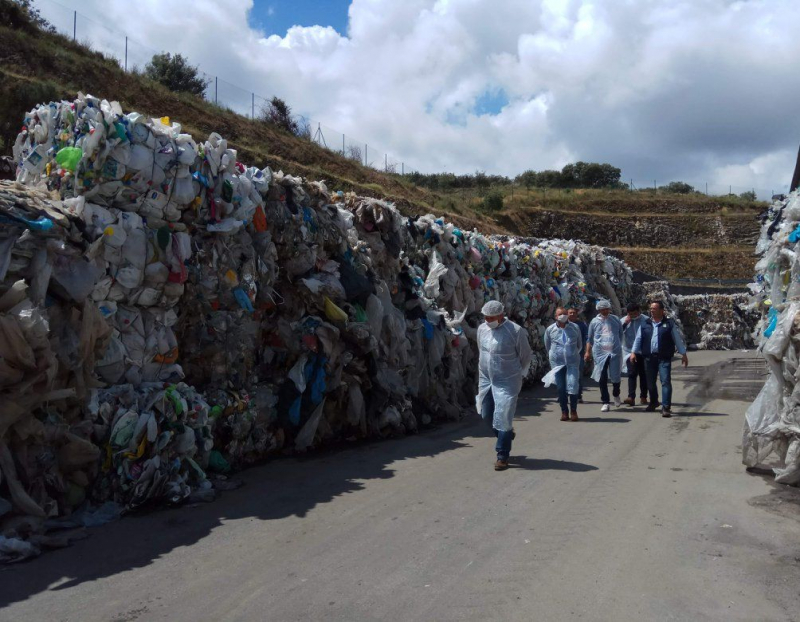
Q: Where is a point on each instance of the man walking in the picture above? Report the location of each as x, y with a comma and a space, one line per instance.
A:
503, 363
635, 368
605, 346
575, 318
564, 345
656, 342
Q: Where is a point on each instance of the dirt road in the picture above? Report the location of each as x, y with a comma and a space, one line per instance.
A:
624, 516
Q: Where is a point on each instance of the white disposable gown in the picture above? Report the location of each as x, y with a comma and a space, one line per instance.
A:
505, 357
605, 335
564, 349
628, 336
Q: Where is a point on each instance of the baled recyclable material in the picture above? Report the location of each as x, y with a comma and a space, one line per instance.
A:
772, 424
169, 314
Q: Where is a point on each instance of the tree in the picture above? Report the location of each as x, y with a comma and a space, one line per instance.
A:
176, 74
493, 202
678, 187
34, 16
278, 113
748, 196
354, 153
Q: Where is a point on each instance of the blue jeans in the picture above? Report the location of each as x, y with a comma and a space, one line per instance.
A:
656, 369
503, 445
604, 397
561, 383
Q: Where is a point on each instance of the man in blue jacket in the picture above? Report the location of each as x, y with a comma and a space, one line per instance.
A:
656, 342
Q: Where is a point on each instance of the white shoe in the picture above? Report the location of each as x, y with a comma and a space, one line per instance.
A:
605, 408
617, 402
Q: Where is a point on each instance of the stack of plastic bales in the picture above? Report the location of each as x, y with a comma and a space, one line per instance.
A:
204, 314
717, 321
772, 426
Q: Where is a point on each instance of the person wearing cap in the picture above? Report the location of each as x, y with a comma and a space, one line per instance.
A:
656, 342
564, 345
605, 346
635, 369
574, 315
503, 362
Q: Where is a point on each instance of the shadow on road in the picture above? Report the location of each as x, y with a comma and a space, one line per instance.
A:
603, 420
281, 488
546, 464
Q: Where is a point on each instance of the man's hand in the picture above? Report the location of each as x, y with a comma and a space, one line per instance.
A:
587, 357
685, 361
632, 357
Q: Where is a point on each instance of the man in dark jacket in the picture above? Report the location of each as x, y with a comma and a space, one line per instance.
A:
656, 342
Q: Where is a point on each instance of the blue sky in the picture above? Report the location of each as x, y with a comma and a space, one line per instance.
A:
275, 17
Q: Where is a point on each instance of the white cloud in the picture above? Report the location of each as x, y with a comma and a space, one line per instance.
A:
669, 89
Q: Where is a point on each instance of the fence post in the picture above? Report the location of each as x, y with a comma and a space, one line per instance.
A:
74, 24
126, 53
216, 84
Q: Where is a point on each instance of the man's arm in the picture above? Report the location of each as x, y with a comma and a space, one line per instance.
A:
525, 352
637, 344
679, 344
547, 340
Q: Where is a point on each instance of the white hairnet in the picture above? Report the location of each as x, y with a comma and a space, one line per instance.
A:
493, 307
603, 304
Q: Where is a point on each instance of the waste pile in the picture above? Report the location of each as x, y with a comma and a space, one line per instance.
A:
717, 321
169, 314
772, 426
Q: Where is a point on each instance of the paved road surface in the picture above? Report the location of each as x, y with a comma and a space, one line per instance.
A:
625, 516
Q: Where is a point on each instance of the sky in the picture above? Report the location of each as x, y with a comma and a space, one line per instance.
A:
703, 91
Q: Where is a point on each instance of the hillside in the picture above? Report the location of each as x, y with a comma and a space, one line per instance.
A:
669, 235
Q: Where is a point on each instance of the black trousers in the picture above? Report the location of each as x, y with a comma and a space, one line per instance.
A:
636, 371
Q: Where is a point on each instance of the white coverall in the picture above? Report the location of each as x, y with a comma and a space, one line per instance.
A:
605, 335
505, 357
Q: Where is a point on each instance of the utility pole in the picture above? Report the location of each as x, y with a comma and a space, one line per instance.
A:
216, 85
253, 106
74, 24
126, 53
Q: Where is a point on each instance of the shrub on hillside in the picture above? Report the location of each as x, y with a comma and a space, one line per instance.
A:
493, 201
176, 74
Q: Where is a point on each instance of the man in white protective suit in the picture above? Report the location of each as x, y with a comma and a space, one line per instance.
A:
505, 357
605, 346
564, 344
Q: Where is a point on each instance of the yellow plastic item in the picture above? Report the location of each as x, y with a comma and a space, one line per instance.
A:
231, 278
333, 312
165, 120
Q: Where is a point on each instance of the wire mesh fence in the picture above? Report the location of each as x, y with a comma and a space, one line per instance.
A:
133, 56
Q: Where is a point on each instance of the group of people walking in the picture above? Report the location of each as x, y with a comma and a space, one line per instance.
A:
642, 346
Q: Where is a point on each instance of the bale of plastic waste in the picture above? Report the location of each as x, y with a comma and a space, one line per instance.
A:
772, 424
717, 321
169, 314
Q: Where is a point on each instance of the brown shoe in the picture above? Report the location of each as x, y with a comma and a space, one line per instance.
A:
574, 415
501, 465
643, 401
565, 416
629, 401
